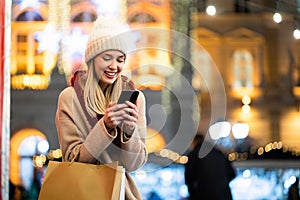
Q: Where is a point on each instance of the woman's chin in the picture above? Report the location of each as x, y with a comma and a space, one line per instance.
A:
109, 80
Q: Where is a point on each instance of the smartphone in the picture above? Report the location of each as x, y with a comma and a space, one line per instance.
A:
128, 95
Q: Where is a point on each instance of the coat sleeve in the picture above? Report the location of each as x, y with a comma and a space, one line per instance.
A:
74, 132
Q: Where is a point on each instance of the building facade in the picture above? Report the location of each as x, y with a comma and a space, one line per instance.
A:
239, 53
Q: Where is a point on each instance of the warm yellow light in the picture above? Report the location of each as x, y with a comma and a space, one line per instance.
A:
232, 156
153, 82
246, 109
246, 100
260, 151
39, 161
164, 153
268, 147
275, 145
154, 140
279, 146
57, 153
34, 81
50, 60
183, 159
296, 91
43, 158
173, 156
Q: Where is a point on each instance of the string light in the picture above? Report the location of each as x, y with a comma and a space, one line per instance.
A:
260, 152
277, 17
219, 130
211, 10
240, 130
174, 156
296, 34
246, 100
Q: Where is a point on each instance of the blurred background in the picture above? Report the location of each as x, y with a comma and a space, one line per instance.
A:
229, 70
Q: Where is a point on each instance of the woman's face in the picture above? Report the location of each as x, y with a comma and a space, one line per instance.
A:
108, 66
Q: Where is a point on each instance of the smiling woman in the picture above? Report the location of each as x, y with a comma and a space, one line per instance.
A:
89, 121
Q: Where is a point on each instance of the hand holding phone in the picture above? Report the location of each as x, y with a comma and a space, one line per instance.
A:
128, 95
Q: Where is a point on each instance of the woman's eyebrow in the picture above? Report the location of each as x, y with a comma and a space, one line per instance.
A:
107, 54
111, 55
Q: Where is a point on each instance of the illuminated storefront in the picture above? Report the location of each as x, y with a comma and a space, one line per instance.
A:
260, 78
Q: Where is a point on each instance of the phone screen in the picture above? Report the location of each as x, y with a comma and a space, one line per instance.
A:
128, 95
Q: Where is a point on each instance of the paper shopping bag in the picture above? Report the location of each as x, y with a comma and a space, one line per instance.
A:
82, 181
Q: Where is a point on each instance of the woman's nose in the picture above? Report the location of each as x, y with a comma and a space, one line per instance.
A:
114, 65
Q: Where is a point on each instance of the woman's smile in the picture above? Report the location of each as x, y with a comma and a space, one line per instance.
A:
108, 66
110, 74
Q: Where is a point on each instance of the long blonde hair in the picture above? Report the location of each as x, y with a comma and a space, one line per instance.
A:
96, 100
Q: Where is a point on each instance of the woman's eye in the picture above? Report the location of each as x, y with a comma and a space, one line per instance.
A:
121, 60
106, 59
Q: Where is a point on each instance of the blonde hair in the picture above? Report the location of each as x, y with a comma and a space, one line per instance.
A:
96, 100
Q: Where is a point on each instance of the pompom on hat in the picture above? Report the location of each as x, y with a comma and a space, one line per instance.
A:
109, 34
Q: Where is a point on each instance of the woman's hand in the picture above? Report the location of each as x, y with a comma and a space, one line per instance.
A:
130, 117
125, 114
113, 115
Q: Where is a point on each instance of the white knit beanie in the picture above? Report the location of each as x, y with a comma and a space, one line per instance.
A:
109, 34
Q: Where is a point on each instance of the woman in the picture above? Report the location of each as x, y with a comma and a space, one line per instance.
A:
91, 127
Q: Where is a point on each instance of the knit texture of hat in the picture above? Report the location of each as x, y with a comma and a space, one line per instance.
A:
108, 34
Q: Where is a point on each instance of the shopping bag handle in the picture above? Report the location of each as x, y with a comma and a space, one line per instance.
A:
75, 156
98, 162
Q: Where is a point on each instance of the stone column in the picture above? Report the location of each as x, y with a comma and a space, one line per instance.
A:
5, 30
2, 6
273, 92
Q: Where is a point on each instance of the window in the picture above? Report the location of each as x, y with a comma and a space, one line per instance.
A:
24, 145
29, 16
84, 17
242, 69
142, 18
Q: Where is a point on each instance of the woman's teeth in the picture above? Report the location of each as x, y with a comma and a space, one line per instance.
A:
110, 73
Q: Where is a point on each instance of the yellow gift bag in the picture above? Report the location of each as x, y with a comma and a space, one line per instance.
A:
82, 181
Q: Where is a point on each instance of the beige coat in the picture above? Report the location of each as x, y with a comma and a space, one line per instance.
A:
95, 143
